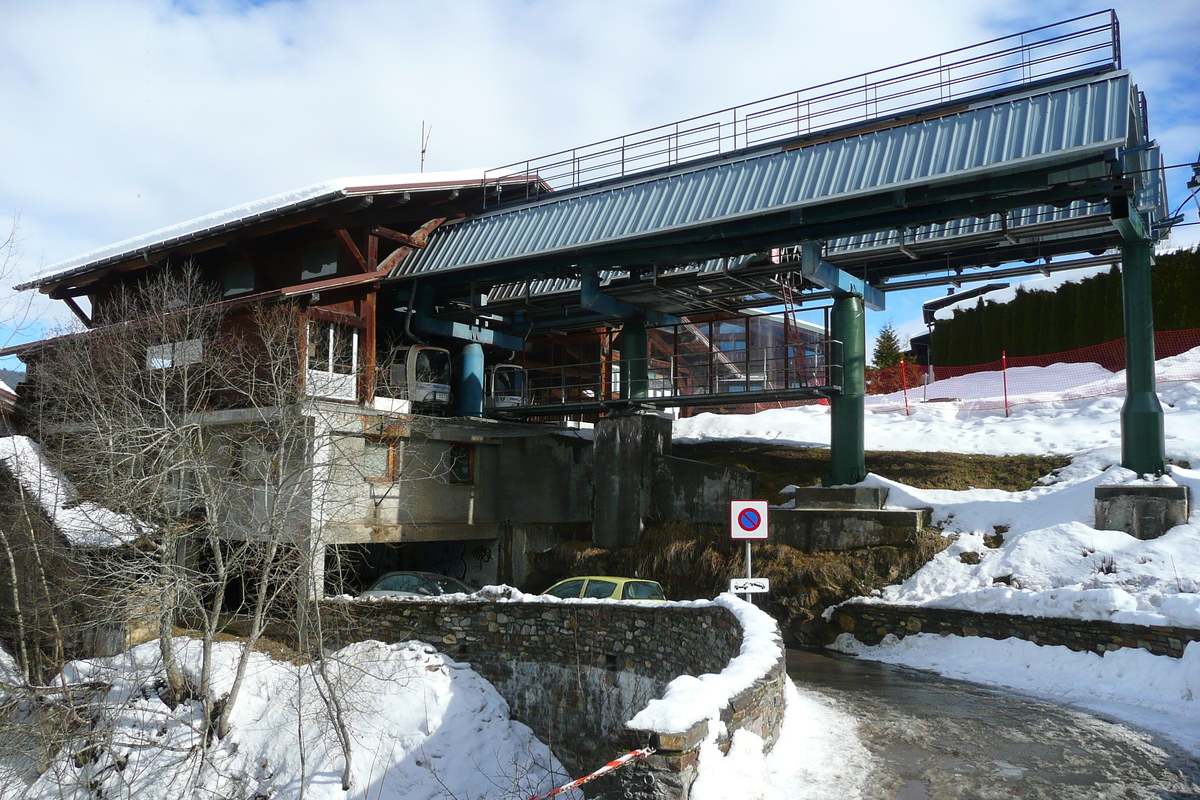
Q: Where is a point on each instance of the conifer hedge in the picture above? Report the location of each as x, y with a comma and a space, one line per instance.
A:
1076, 315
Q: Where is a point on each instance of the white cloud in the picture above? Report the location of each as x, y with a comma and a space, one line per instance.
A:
128, 115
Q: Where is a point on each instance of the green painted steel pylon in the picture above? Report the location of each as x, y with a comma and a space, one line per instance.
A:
847, 322
635, 357
1143, 447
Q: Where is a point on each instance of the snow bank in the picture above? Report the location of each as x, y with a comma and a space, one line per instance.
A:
421, 725
85, 524
1052, 562
1053, 428
818, 755
1156, 692
690, 699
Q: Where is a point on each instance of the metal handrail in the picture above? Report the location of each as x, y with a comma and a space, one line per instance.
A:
1085, 42
775, 367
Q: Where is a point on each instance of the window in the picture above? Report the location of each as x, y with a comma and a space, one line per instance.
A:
319, 261
568, 589
600, 589
381, 461
255, 461
456, 464
331, 347
239, 278
642, 590
174, 354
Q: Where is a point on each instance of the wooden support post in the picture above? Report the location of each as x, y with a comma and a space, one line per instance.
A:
366, 378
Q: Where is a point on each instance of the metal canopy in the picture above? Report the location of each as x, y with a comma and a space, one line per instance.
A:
1000, 152
1059, 145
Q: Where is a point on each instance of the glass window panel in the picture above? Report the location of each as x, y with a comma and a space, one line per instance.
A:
642, 590
318, 346
377, 461
600, 589
319, 261
568, 589
239, 278
343, 349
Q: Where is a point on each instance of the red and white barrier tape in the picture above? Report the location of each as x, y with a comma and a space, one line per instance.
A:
633, 755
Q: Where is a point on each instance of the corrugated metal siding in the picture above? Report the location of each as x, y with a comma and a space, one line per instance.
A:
1068, 123
971, 226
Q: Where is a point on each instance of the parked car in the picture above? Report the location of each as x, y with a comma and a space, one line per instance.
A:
606, 586
415, 584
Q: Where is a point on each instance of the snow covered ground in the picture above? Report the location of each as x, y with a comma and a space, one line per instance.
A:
1058, 564
84, 524
422, 725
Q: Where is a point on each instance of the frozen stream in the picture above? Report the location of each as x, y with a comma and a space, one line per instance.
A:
940, 739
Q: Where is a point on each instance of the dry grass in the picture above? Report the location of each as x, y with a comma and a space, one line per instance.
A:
695, 561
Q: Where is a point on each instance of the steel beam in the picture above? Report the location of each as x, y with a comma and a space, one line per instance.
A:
1143, 447
847, 461
467, 333
634, 347
591, 299
824, 274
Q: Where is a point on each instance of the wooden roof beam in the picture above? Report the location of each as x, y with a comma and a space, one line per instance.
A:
347, 243
418, 239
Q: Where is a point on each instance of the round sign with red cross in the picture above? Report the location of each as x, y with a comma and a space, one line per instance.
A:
748, 519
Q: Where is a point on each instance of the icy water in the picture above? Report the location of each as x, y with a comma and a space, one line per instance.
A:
939, 739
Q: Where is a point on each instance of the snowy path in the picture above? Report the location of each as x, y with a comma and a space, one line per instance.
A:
939, 739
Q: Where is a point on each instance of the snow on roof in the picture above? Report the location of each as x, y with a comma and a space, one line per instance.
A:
246, 213
85, 524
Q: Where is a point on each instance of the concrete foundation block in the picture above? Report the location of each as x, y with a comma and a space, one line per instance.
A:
817, 530
1145, 512
625, 456
841, 497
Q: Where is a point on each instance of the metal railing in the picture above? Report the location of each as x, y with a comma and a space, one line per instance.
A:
774, 368
1081, 43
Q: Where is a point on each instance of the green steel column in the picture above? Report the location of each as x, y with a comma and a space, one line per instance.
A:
1142, 440
848, 326
635, 357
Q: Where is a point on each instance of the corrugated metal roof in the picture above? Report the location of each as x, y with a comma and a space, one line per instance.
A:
1053, 126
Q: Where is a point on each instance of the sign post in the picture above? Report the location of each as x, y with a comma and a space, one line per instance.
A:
748, 520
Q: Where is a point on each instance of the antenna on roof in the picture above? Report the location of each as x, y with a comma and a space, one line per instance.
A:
424, 142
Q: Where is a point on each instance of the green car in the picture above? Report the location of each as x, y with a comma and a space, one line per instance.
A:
604, 586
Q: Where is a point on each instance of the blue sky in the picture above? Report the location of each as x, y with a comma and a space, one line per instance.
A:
128, 115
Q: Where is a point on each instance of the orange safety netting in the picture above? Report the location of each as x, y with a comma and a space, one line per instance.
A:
1092, 371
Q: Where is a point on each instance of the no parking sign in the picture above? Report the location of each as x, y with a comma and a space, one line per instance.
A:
748, 519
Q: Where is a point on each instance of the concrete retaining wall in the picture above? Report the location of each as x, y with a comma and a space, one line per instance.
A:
870, 622
575, 672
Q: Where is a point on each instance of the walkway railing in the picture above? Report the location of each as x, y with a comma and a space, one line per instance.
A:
729, 373
1087, 42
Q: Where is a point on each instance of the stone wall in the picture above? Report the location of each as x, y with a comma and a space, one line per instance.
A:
576, 672
870, 622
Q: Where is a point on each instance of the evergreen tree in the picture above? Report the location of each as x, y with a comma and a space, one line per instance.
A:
887, 348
